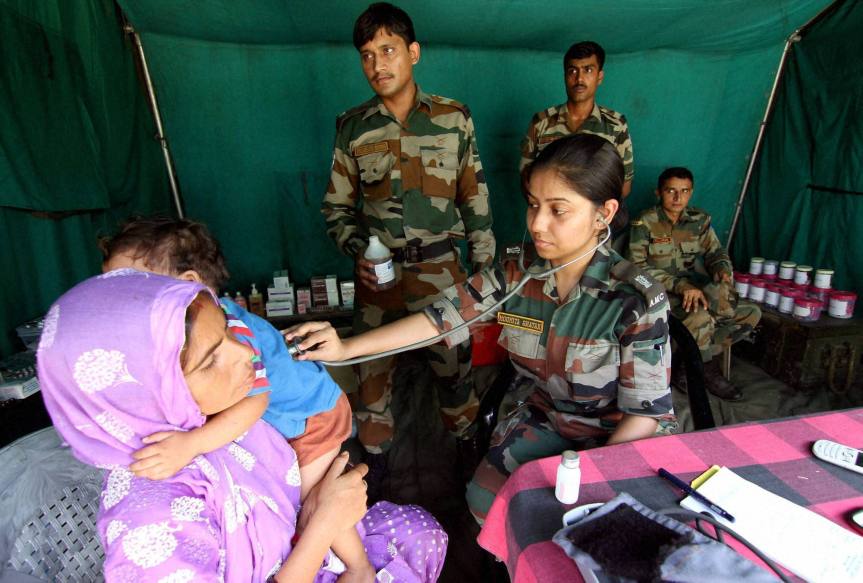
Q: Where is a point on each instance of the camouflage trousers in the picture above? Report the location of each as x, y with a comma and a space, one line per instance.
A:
725, 320
451, 366
526, 434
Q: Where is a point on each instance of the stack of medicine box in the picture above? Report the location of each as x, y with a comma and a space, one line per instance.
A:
280, 296
304, 300
325, 292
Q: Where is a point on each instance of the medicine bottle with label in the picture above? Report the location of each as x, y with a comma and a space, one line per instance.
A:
380, 255
568, 478
256, 302
240, 300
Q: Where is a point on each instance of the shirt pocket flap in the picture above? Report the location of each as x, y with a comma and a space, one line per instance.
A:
584, 358
439, 172
661, 248
690, 247
375, 167
652, 361
519, 342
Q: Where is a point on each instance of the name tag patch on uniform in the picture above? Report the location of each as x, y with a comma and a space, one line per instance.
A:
375, 148
660, 240
521, 322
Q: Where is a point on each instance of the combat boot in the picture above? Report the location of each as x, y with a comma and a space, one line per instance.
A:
718, 384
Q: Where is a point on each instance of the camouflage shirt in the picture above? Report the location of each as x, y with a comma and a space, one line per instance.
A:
601, 353
551, 124
415, 183
681, 256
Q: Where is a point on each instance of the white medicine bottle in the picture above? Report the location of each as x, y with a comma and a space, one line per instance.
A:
380, 255
568, 478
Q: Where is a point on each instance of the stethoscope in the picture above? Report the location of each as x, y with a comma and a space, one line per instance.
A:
529, 274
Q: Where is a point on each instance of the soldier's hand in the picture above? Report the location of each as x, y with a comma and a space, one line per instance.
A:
317, 340
365, 271
722, 277
693, 300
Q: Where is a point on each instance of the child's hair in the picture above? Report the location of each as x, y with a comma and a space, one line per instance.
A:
171, 246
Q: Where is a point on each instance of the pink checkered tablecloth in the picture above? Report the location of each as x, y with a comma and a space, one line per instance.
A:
776, 455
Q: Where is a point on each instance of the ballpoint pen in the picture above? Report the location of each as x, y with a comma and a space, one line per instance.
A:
695, 494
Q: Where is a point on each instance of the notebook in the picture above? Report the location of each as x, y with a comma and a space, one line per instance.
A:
800, 540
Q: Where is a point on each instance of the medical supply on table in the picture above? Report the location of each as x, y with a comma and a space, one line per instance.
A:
346, 289
772, 295
256, 302
741, 284
568, 482
806, 543
240, 300
802, 274
304, 300
770, 266
842, 304
30, 332
838, 454
380, 255
18, 376
820, 294
786, 270
823, 278
528, 275
281, 279
693, 493
757, 290
788, 296
756, 265
807, 309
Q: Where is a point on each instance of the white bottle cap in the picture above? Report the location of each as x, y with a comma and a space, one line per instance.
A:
570, 459
254, 289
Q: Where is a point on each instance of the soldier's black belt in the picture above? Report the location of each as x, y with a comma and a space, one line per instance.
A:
420, 253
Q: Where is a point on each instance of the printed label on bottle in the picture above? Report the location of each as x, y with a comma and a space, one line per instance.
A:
385, 272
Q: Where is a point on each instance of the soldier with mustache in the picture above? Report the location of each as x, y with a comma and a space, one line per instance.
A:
582, 75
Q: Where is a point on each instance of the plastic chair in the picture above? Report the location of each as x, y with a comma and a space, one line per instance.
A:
48, 511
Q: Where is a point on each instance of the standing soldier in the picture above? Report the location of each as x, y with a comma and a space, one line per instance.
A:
582, 75
406, 168
675, 244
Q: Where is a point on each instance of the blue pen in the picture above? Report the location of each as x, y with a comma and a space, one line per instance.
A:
694, 493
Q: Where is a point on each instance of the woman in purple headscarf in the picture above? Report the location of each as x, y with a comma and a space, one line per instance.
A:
128, 354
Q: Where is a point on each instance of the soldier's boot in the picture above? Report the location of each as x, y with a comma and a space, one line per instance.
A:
717, 384
468, 456
377, 463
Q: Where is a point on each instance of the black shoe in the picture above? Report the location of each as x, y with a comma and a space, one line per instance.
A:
377, 463
468, 457
718, 384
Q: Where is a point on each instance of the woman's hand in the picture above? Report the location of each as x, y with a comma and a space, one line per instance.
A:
171, 452
339, 500
318, 340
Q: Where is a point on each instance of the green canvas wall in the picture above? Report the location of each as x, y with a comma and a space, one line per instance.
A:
806, 199
249, 92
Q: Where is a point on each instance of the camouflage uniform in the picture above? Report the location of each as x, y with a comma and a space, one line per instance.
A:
687, 255
413, 185
589, 360
551, 124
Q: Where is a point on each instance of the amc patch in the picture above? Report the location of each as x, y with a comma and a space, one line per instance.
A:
521, 322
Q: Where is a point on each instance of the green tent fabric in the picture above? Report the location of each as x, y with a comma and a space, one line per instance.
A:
249, 99
249, 92
805, 202
75, 145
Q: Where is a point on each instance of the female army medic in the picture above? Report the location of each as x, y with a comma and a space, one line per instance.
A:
589, 343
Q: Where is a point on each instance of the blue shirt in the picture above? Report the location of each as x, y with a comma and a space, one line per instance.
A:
298, 389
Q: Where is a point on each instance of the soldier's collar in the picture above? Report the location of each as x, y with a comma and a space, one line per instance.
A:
685, 216
378, 106
563, 113
595, 113
595, 276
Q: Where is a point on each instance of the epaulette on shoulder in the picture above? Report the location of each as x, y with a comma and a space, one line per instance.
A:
349, 113
452, 103
652, 290
611, 114
637, 223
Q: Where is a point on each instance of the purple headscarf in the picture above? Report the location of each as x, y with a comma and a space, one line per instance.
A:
109, 368
110, 372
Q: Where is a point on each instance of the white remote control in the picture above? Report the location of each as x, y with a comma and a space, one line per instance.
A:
841, 455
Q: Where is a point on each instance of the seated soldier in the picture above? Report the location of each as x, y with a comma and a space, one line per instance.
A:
675, 244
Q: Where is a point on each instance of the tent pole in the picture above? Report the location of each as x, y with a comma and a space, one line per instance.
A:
794, 37
157, 116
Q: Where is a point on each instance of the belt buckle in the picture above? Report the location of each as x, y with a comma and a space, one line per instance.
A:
414, 254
